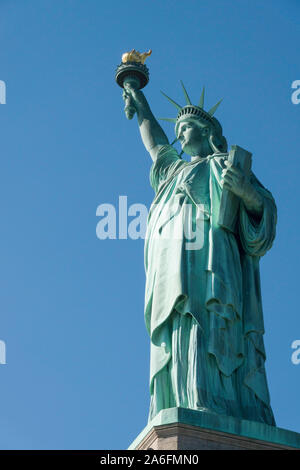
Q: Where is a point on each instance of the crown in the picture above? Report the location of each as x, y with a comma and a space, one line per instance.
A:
192, 111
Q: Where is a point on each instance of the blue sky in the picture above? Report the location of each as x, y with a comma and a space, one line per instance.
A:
72, 305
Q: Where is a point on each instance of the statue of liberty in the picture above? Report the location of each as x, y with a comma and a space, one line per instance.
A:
203, 307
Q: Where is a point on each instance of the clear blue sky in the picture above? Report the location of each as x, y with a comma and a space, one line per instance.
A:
72, 305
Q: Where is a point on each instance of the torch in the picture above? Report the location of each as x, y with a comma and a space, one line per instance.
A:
134, 72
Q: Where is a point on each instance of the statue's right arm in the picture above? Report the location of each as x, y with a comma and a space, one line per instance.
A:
152, 134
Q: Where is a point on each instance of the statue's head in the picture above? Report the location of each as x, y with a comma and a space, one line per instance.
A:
197, 129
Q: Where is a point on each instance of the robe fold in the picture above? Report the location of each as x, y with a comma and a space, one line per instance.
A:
203, 308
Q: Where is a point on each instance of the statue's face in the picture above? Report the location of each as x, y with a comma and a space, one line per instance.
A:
192, 136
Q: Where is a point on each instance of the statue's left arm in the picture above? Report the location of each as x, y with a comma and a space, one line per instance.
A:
236, 181
258, 213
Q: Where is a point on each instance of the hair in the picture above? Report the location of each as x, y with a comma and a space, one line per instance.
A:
216, 139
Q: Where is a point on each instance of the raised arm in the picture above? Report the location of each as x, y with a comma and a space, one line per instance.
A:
152, 134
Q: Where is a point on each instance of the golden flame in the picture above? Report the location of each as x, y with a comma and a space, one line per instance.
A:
135, 56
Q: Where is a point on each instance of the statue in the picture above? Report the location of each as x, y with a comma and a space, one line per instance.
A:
203, 307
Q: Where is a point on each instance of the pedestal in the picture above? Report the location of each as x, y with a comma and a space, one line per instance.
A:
184, 429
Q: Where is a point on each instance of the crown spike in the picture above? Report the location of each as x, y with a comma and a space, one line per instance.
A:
168, 119
171, 101
212, 111
201, 102
188, 101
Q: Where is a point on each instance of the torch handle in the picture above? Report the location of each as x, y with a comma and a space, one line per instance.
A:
130, 109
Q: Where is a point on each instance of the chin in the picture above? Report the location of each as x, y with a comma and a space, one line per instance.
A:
186, 149
189, 152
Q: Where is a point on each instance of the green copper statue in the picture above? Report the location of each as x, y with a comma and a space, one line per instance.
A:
203, 307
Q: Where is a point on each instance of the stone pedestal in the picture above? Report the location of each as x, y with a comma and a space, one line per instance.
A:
184, 429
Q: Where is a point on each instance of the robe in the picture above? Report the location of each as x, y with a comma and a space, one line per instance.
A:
203, 308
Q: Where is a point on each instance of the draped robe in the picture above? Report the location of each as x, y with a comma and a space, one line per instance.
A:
203, 308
